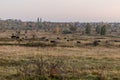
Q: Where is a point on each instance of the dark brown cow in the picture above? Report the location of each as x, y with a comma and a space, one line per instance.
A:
78, 42
15, 37
53, 42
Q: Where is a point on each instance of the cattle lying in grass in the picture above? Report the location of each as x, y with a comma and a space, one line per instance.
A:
65, 38
68, 40
96, 42
46, 39
54, 42
78, 42
71, 39
15, 37
58, 38
114, 40
42, 38
19, 40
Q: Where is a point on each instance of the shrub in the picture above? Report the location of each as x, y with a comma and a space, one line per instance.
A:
88, 28
103, 30
66, 32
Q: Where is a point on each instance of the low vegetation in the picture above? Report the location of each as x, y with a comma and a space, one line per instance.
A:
59, 63
60, 57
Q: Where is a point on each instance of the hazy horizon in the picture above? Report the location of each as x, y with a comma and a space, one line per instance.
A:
61, 10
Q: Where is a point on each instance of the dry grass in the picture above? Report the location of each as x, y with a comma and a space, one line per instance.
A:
88, 58
59, 51
85, 62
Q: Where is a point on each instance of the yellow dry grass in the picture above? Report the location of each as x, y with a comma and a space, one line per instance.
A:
95, 52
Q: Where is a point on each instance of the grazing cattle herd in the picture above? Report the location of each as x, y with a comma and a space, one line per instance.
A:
69, 40
15, 37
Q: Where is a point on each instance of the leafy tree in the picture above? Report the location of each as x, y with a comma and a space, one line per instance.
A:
88, 28
73, 28
66, 32
98, 29
103, 30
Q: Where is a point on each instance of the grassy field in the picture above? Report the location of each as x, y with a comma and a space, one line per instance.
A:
90, 63
67, 57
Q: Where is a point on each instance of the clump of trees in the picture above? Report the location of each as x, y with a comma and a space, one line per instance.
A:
101, 30
98, 29
66, 32
88, 29
73, 29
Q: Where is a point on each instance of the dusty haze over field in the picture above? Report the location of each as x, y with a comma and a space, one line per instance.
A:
61, 10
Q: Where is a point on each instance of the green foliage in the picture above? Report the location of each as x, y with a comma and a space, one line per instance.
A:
98, 29
92, 77
73, 29
66, 32
88, 28
39, 69
103, 30
68, 68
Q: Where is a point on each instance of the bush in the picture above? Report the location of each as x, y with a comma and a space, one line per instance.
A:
66, 32
103, 30
88, 28
40, 69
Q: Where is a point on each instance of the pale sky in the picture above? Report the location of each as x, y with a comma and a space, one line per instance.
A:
61, 10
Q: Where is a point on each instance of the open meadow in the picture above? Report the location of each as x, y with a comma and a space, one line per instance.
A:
60, 57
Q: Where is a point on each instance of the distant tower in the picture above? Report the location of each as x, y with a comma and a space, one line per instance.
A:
38, 20
39, 23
